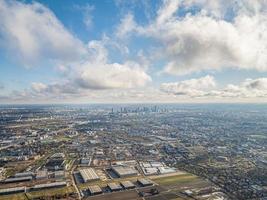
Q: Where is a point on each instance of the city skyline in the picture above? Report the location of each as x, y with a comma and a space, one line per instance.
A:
133, 51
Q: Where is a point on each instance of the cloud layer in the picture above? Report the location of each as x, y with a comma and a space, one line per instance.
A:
205, 87
33, 34
39, 36
192, 87
204, 39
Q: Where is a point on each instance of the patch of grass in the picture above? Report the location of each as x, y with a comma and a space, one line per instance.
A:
50, 192
20, 196
172, 180
259, 136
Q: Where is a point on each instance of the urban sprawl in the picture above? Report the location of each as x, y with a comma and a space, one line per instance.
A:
127, 152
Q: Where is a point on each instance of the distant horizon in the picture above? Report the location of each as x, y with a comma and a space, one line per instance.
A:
146, 103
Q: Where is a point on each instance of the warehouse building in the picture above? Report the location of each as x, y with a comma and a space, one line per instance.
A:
123, 171
49, 185
56, 162
114, 187
94, 189
41, 174
59, 174
88, 174
18, 179
127, 185
23, 174
12, 190
145, 182
85, 161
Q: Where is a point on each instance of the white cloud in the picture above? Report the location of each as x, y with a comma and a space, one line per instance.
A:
86, 10
247, 89
166, 11
115, 75
31, 32
38, 87
192, 87
96, 72
126, 26
207, 40
205, 87
34, 34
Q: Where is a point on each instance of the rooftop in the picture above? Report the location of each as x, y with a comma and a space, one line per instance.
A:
94, 189
88, 174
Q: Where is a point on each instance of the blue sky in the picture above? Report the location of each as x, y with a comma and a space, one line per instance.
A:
108, 51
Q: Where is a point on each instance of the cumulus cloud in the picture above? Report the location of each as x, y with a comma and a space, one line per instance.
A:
33, 33
191, 87
247, 89
205, 87
115, 75
96, 72
220, 34
126, 26
52, 89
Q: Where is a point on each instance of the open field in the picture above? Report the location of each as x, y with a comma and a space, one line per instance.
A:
123, 195
42, 193
177, 179
20, 196
50, 192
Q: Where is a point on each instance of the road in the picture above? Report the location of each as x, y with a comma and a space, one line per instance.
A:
74, 183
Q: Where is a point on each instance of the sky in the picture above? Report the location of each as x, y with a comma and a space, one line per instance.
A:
118, 51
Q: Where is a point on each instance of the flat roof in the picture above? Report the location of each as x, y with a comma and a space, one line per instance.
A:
124, 170
144, 181
23, 174
15, 189
46, 185
114, 186
41, 173
25, 178
88, 174
127, 184
94, 189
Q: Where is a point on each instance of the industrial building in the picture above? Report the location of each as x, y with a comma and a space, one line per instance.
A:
12, 190
18, 179
94, 189
55, 162
127, 185
123, 171
23, 174
59, 174
150, 168
85, 161
145, 182
49, 185
41, 174
114, 187
88, 174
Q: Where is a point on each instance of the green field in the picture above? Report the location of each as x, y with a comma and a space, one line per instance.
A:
50, 192
177, 179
